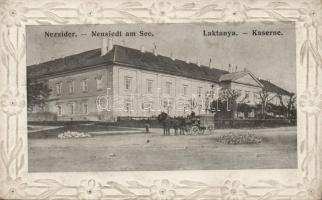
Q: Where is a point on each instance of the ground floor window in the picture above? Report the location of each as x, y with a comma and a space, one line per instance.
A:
59, 110
85, 108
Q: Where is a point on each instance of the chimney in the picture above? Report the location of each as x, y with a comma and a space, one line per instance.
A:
245, 70
209, 62
229, 68
236, 68
198, 62
104, 46
155, 49
142, 49
110, 44
171, 55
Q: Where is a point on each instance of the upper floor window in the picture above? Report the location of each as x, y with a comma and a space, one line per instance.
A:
168, 86
128, 82
84, 85
99, 83
58, 88
149, 86
199, 91
71, 87
247, 96
185, 90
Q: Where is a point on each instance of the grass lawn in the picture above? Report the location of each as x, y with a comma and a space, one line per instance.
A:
53, 131
132, 152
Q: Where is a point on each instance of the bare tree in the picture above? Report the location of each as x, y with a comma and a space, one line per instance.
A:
265, 99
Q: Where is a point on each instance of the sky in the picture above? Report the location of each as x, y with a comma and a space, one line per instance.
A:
268, 57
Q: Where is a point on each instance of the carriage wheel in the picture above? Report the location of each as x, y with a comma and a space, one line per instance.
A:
210, 128
194, 130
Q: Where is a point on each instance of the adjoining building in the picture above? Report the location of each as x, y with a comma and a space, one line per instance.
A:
114, 81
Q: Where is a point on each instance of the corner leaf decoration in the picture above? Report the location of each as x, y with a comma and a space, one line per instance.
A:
195, 195
121, 188
54, 17
307, 48
14, 153
273, 193
129, 4
193, 183
307, 159
53, 187
204, 10
135, 184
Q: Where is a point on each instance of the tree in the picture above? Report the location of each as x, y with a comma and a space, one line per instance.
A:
37, 93
290, 107
265, 99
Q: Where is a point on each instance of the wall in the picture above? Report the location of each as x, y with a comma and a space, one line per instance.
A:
78, 97
151, 104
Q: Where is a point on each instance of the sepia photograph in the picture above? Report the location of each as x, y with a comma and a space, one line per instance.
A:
149, 97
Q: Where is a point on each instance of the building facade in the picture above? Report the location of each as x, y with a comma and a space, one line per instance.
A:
115, 81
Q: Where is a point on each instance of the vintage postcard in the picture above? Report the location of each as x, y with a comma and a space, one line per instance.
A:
160, 100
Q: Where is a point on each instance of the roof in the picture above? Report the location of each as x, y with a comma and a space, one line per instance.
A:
232, 76
236, 75
270, 87
129, 57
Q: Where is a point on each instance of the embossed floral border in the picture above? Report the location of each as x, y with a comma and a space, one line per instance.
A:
16, 183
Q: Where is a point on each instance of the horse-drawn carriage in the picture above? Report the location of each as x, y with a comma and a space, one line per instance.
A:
198, 125
191, 125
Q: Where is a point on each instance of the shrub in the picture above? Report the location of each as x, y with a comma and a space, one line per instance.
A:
231, 138
73, 134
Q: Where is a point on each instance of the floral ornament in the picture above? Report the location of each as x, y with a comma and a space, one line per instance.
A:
13, 14
235, 12
311, 102
162, 11
12, 102
311, 13
233, 191
89, 190
13, 189
309, 190
162, 190
89, 12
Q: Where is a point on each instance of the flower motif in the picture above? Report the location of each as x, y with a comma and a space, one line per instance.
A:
12, 103
90, 190
13, 14
13, 189
311, 102
162, 11
162, 190
233, 191
89, 12
235, 12
311, 13
310, 190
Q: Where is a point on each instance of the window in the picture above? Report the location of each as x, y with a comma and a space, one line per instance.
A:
85, 108
128, 107
149, 86
128, 81
185, 90
247, 99
168, 87
58, 88
85, 85
99, 83
71, 108
59, 110
71, 87
199, 91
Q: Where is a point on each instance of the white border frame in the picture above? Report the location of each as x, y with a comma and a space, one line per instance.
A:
17, 183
